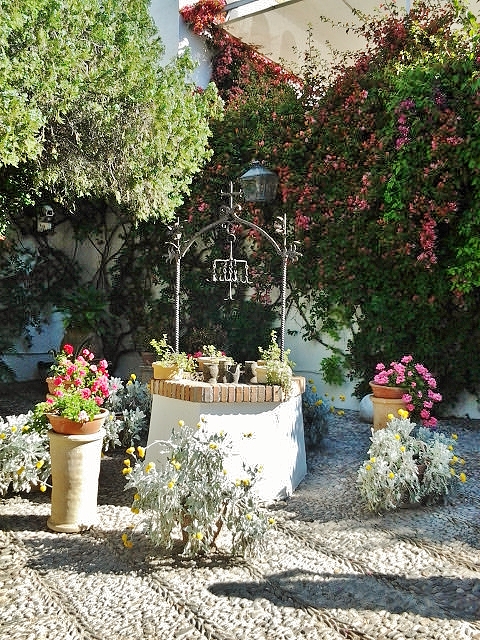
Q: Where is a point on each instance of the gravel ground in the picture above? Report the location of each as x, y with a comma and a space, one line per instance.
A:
330, 570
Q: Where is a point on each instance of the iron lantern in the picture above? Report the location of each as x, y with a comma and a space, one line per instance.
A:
258, 183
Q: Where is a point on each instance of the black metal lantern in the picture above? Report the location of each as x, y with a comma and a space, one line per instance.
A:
259, 184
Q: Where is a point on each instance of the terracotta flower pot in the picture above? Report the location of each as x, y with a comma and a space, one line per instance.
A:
50, 384
69, 427
384, 391
382, 408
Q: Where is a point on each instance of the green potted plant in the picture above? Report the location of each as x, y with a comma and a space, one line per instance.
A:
275, 367
408, 465
170, 363
72, 412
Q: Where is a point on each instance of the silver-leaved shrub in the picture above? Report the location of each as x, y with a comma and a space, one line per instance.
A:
192, 496
408, 465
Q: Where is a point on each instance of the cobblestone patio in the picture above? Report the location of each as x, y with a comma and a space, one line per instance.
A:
330, 571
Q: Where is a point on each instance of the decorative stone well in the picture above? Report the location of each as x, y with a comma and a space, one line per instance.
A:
265, 427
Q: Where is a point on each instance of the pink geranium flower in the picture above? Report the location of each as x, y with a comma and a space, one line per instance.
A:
417, 382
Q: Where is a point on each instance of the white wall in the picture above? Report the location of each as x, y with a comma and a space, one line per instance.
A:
308, 355
25, 361
176, 37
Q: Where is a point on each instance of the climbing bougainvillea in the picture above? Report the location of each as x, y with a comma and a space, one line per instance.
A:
379, 175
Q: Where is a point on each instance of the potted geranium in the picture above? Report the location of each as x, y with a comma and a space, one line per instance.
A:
79, 370
408, 465
80, 387
412, 383
170, 363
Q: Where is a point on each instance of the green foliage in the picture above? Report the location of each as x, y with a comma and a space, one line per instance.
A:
72, 405
84, 308
130, 405
273, 353
279, 366
32, 278
379, 172
86, 108
316, 417
406, 466
146, 278
168, 357
333, 369
24, 455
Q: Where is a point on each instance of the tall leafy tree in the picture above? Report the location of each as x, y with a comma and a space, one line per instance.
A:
86, 109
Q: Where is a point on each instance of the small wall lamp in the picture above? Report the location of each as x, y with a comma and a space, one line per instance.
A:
45, 219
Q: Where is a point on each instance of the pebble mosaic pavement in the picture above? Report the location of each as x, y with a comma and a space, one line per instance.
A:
330, 570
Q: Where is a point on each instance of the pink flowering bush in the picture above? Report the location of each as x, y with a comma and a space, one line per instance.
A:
418, 383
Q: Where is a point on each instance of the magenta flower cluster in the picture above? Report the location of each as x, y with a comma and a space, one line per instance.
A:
81, 373
418, 383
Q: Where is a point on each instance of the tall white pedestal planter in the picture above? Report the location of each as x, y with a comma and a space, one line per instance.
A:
75, 472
